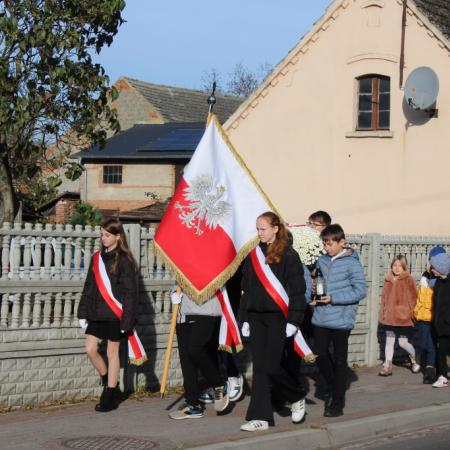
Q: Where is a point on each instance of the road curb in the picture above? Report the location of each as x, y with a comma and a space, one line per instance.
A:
340, 433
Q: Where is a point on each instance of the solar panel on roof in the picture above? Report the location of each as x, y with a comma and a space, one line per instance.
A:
176, 140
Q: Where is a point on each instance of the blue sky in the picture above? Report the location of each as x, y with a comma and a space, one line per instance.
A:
174, 42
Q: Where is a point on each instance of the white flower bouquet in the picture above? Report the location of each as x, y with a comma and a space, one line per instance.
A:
307, 243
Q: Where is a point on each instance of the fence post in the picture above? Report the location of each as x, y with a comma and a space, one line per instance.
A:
133, 231
373, 300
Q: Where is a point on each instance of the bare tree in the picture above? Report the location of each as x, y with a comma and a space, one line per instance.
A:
242, 81
208, 78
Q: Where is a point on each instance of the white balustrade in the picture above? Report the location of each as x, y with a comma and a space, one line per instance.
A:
43, 270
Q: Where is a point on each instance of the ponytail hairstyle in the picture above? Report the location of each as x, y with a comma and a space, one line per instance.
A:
278, 247
114, 226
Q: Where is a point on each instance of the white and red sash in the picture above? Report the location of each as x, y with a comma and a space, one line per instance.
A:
229, 331
279, 295
136, 352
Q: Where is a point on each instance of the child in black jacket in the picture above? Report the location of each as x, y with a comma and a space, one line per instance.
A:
440, 265
96, 315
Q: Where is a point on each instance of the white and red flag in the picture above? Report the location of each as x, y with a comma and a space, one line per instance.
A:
209, 225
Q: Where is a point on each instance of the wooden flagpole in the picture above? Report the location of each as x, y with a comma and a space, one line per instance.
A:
173, 323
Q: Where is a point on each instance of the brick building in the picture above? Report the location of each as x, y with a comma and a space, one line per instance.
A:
137, 171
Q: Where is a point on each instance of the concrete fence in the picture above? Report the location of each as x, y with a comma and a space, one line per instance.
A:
42, 274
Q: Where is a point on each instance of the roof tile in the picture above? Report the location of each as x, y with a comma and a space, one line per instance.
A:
437, 12
184, 105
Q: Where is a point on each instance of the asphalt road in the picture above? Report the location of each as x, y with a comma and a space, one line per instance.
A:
435, 438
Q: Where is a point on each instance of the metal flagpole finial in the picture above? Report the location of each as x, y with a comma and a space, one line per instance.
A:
212, 98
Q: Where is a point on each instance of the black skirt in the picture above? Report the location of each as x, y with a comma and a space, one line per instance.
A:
105, 330
399, 331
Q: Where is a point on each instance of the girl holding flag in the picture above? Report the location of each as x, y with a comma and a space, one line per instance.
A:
107, 309
272, 308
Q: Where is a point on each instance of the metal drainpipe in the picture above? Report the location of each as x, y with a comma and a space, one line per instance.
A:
85, 185
402, 45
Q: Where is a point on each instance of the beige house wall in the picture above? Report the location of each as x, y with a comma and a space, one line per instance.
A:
142, 184
296, 133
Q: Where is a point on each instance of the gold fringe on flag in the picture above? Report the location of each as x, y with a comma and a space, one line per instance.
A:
229, 348
310, 358
137, 361
200, 296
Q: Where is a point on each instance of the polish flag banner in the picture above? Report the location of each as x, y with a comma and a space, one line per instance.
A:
209, 225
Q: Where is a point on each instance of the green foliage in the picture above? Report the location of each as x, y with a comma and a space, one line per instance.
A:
73, 171
86, 214
49, 83
39, 191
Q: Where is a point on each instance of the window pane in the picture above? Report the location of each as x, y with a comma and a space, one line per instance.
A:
385, 84
365, 103
112, 174
385, 102
365, 120
383, 119
365, 85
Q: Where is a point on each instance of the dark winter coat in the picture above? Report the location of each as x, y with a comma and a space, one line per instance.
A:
289, 272
441, 299
124, 284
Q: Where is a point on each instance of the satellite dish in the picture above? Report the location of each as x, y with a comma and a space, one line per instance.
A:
421, 88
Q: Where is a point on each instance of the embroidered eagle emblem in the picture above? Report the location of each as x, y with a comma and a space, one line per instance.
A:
204, 204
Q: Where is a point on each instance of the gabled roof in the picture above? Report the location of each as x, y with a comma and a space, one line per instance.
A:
169, 141
437, 12
184, 105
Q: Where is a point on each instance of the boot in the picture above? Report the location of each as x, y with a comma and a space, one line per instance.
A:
429, 376
108, 400
386, 370
104, 379
334, 410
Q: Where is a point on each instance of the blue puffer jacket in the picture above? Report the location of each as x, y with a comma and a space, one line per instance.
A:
345, 282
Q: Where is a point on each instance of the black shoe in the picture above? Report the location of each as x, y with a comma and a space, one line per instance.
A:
333, 411
429, 376
109, 400
328, 401
104, 379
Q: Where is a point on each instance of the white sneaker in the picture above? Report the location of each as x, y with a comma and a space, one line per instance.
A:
236, 385
298, 411
221, 399
440, 382
255, 425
